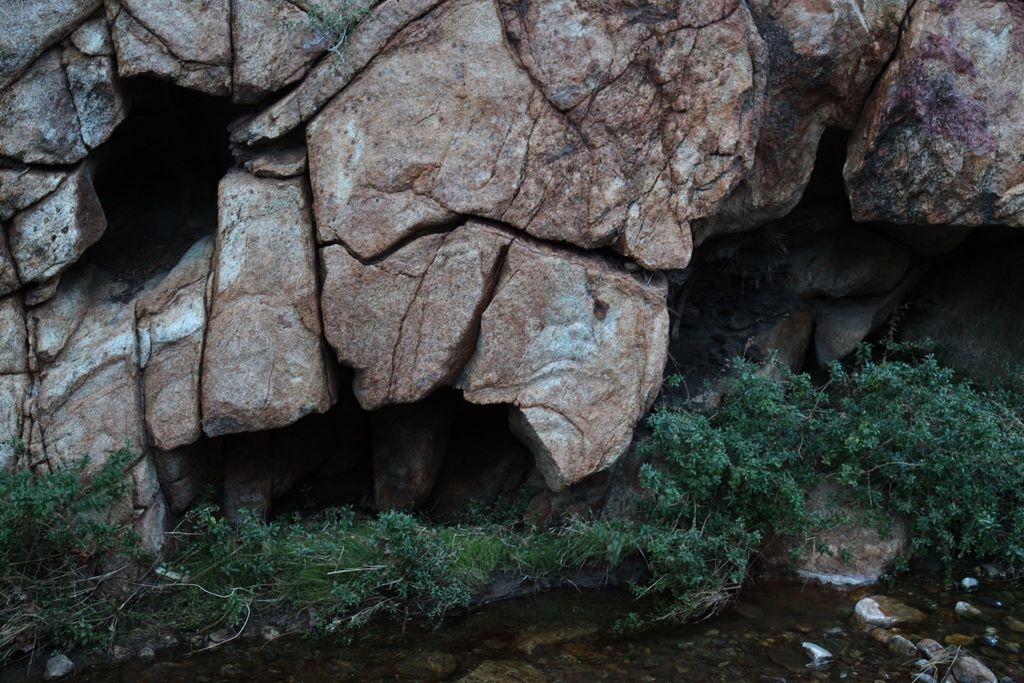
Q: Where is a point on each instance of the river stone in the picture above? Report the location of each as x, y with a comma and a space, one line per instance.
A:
967, 669
58, 666
263, 363
186, 42
31, 26
561, 319
407, 323
966, 610
171, 323
938, 141
883, 611
52, 234
503, 671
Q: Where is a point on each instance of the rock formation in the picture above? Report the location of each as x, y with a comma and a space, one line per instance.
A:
523, 203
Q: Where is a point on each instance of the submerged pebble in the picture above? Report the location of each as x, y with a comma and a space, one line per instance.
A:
966, 610
819, 655
969, 584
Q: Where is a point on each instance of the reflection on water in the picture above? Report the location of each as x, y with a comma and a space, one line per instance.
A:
568, 636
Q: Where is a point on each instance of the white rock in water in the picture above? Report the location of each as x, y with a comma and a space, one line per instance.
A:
819, 655
966, 610
969, 583
58, 666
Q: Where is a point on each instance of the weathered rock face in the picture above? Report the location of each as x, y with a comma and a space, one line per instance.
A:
407, 322
171, 324
436, 201
52, 234
66, 103
188, 42
264, 365
823, 58
494, 133
560, 320
31, 27
939, 140
88, 400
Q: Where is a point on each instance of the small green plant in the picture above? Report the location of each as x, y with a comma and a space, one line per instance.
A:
331, 22
59, 551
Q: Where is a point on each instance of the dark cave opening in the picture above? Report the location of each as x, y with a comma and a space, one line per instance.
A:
157, 178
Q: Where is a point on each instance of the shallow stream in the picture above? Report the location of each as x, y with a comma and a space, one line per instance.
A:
569, 636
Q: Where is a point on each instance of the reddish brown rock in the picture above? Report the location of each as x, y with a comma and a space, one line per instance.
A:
407, 323
560, 320
171, 323
273, 43
263, 366
490, 132
333, 72
939, 140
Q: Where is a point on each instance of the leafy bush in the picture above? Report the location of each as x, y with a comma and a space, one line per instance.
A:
58, 550
903, 435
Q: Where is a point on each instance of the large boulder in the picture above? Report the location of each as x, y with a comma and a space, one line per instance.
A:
561, 320
507, 131
939, 140
171, 325
263, 364
407, 323
334, 72
275, 41
51, 234
187, 42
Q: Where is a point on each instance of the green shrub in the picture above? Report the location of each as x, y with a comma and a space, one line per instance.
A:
58, 551
903, 435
